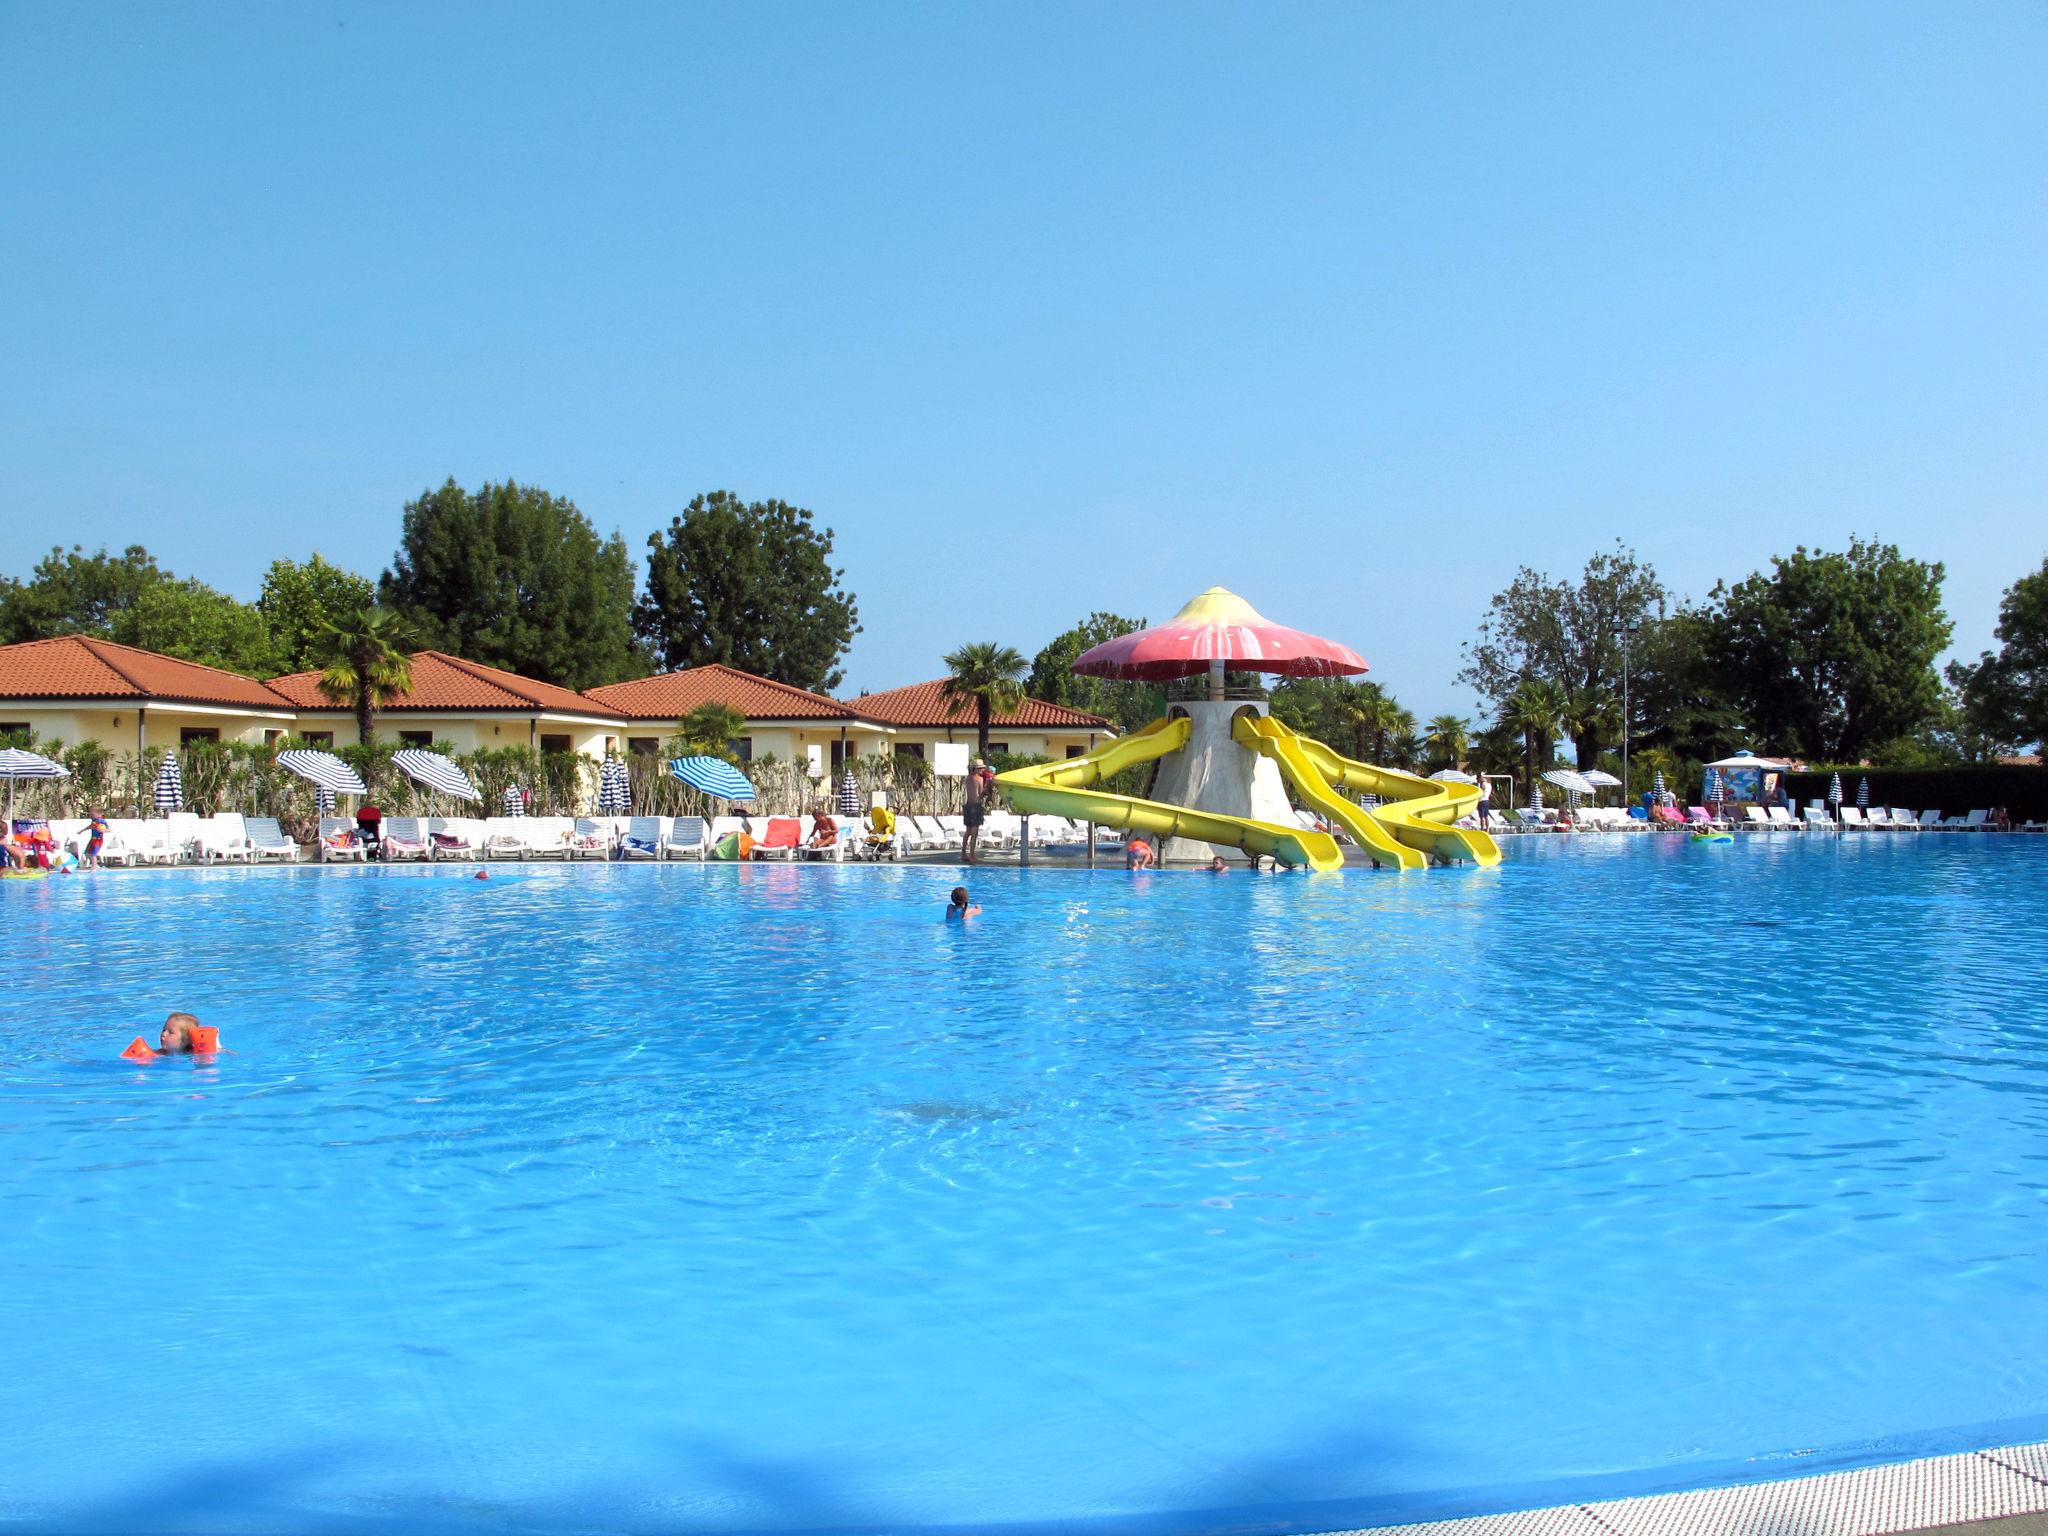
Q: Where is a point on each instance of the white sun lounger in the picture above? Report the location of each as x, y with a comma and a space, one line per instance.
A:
687, 838
1930, 821
403, 837
147, 842
455, 837
505, 837
267, 840
1780, 817
591, 839
224, 839
181, 830
1905, 821
338, 841
1817, 816
643, 837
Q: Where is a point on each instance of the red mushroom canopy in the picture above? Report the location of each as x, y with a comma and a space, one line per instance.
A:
1217, 626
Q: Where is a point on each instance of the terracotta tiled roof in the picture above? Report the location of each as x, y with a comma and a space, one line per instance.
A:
77, 667
444, 682
672, 695
926, 704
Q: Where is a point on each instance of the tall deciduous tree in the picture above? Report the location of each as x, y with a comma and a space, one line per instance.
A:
191, 620
301, 599
1833, 654
1127, 705
514, 577
366, 666
72, 593
2004, 695
1566, 633
749, 584
989, 679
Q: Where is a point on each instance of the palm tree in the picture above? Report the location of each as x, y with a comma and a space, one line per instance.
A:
1372, 715
1446, 741
1592, 718
366, 666
991, 678
1535, 710
708, 731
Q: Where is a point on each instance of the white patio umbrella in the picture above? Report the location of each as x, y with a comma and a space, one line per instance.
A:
435, 773
15, 763
1453, 776
1570, 779
170, 784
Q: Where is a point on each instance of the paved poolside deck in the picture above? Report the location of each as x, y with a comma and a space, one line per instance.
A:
1999, 1492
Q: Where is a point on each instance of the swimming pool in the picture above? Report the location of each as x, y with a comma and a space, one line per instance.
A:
720, 1199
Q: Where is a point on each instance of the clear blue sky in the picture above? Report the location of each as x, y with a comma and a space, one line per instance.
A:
1354, 308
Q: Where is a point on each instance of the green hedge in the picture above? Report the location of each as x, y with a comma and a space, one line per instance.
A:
1952, 791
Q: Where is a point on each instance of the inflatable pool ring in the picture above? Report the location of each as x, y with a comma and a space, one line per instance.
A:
1713, 837
26, 874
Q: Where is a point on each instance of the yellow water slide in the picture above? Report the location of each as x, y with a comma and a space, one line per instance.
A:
1415, 817
1062, 789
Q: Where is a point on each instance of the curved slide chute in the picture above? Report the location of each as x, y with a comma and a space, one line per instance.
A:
1062, 789
1416, 814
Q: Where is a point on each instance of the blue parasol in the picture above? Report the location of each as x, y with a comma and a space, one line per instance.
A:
714, 775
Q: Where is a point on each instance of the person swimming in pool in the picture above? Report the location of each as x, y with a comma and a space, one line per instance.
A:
182, 1035
957, 909
1218, 867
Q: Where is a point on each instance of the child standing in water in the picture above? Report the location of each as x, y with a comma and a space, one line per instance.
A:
957, 909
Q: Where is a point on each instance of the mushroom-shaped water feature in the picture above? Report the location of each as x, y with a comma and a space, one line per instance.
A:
1223, 766
1217, 632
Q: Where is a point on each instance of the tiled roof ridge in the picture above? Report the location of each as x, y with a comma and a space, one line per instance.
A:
780, 686
962, 710
482, 672
838, 708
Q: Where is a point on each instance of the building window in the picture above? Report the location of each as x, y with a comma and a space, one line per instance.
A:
192, 733
911, 749
1076, 751
416, 739
15, 733
318, 739
272, 738
998, 746
742, 748
554, 744
644, 746
841, 750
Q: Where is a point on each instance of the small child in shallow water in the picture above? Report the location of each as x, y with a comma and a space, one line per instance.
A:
957, 909
182, 1035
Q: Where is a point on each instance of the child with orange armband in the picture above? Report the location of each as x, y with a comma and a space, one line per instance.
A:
182, 1035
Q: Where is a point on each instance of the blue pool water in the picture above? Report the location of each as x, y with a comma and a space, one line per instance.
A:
721, 1199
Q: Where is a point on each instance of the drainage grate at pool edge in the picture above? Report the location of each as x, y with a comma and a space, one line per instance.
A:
1870, 1501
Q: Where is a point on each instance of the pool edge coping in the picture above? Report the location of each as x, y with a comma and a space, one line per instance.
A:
1931, 1493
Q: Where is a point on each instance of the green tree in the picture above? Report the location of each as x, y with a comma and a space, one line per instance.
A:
1446, 740
2004, 694
365, 665
1126, 705
1677, 694
1567, 634
989, 677
72, 593
300, 600
749, 584
1535, 712
1833, 654
189, 619
514, 577
708, 731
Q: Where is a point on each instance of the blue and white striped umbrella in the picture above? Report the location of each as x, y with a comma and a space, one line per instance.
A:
515, 802
1657, 784
713, 775
170, 784
1862, 794
18, 764
849, 795
324, 798
1714, 790
1835, 789
614, 789
324, 770
1535, 795
435, 772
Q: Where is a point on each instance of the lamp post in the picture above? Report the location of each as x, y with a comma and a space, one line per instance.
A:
1623, 633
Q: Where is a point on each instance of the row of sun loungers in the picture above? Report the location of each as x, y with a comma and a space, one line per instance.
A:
180, 838
1754, 818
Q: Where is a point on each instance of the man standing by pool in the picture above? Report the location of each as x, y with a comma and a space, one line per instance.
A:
978, 781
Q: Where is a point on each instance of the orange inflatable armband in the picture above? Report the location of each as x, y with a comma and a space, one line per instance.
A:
205, 1040
138, 1050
